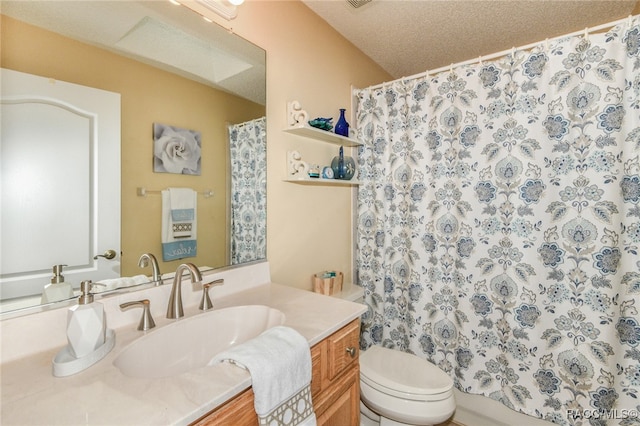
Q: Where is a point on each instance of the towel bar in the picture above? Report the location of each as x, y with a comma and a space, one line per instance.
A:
142, 192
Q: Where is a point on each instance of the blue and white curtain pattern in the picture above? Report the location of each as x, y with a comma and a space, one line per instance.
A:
248, 153
499, 225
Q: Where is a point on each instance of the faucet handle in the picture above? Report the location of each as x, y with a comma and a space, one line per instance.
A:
146, 322
205, 302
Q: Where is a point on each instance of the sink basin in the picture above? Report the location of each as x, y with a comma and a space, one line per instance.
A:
192, 342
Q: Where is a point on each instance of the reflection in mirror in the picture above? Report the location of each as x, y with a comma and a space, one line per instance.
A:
248, 152
168, 66
42, 226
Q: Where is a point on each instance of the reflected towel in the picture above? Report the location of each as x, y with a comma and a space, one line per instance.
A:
114, 283
179, 223
279, 361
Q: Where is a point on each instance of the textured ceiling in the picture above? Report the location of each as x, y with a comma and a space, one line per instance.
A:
407, 37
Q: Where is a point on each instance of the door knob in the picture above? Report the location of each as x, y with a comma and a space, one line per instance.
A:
351, 351
109, 254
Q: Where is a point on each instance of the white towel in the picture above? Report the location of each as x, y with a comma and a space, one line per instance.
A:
122, 282
179, 223
279, 361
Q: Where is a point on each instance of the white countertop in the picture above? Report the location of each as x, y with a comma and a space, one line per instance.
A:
103, 395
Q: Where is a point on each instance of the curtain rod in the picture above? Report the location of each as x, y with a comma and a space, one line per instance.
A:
491, 56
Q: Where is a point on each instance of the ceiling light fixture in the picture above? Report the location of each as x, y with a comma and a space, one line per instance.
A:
225, 8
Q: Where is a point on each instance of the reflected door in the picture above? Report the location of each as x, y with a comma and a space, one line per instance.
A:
60, 182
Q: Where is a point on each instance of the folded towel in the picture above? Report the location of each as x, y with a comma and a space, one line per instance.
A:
279, 361
114, 283
179, 207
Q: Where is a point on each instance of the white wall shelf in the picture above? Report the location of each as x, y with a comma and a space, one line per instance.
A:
297, 169
321, 135
321, 181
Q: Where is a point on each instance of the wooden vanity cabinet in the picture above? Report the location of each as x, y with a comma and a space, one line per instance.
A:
335, 385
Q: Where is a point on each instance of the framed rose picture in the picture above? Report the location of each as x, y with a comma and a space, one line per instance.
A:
176, 150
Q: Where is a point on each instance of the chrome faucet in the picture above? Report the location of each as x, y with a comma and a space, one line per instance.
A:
144, 261
174, 310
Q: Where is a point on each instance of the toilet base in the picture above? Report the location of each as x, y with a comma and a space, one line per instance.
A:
373, 403
370, 418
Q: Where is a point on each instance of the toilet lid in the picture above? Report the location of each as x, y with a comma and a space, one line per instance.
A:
403, 372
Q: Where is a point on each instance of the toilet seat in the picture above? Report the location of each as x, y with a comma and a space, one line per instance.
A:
404, 375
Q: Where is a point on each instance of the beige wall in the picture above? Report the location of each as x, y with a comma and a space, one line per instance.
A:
148, 95
308, 227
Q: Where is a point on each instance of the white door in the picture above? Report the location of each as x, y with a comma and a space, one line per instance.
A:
60, 182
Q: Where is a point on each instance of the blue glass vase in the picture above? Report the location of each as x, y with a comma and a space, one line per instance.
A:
344, 167
342, 127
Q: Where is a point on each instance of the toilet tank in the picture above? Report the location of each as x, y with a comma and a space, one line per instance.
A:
352, 293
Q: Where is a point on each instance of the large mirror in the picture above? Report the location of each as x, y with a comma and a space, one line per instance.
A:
176, 74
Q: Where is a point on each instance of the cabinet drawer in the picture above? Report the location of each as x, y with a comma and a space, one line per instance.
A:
343, 348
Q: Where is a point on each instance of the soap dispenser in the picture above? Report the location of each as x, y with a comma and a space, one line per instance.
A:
57, 289
86, 323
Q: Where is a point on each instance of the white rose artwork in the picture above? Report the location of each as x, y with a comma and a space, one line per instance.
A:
176, 150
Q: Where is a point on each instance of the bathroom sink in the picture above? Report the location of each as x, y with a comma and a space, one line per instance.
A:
192, 342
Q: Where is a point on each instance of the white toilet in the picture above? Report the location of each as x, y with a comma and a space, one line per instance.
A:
397, 388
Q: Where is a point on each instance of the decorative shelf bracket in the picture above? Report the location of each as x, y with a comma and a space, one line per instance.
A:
295, 166
296, 116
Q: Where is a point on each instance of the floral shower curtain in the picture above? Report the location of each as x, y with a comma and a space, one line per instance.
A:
248, 152
499, 225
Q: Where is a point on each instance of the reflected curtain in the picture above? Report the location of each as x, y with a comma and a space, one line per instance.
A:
499, 225
248, 154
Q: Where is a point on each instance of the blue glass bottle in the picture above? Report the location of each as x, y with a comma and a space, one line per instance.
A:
344, 167
342, 127
337, 164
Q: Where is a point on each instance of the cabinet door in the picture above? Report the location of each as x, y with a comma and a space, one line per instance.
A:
318, 367
343, 348
344, 409
239, 411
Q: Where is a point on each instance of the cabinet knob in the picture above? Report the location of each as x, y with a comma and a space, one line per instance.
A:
351, 351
